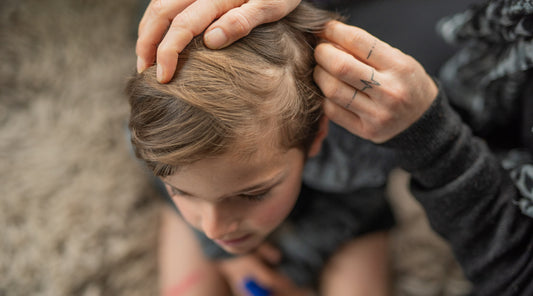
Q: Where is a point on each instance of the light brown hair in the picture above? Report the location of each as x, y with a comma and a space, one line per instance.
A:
222, 101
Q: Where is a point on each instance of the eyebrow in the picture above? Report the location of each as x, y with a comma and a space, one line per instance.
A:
268, 184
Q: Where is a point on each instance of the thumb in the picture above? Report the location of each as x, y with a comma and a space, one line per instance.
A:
239, 21
232, 26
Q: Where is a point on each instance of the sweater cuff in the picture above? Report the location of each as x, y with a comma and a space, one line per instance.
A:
429, 138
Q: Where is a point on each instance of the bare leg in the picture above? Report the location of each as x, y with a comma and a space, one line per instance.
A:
361, 267
183, 269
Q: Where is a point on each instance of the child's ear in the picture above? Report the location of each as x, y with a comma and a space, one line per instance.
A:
320, 136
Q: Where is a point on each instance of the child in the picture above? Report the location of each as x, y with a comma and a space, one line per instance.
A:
233, 136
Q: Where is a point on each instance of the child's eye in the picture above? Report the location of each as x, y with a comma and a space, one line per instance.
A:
176, 192
255, 197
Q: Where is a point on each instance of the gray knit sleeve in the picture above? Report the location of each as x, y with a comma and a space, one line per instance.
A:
469, 200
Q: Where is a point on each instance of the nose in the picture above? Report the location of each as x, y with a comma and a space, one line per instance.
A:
218, 221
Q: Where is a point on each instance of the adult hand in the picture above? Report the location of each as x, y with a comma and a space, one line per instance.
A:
168, 26
373, 90
259, 267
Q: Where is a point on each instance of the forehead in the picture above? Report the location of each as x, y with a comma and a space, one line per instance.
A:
219, 176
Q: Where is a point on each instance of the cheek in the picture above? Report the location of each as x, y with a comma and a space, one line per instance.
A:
188, 211
272, 216
274, 210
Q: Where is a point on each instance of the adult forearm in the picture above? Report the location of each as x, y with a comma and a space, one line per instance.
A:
469, 200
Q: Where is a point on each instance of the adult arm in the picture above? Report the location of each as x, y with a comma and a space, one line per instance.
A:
468, 197
470, 200
168, 26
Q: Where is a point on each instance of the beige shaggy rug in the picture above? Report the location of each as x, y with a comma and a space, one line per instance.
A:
78, 216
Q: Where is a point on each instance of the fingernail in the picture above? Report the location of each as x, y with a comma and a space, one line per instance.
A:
159, 73
215, 38
141, 65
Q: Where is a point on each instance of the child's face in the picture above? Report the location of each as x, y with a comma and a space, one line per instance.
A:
237, 203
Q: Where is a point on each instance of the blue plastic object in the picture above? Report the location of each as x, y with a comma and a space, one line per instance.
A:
255, 289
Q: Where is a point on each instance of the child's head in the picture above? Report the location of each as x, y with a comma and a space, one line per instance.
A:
230, 133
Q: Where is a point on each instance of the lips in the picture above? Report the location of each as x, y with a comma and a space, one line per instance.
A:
233, 242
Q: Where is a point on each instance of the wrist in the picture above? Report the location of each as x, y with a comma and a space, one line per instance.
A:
427, 138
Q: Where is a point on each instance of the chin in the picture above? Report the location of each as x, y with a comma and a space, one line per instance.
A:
239, 250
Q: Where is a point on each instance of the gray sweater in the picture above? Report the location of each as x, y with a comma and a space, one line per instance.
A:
471, 200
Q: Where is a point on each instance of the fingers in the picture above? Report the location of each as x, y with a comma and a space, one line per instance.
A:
342, 117
180, 21
152, 28
239, 21
345, 67
233, 25
361, 44
373, 90
269, 253
189, 23
341, 93
191, 20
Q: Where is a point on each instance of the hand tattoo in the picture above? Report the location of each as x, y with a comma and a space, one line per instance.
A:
371, 49
368, 84
351, 100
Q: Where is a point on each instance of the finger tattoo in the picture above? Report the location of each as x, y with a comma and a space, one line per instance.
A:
351, 100
371, 49
368, 84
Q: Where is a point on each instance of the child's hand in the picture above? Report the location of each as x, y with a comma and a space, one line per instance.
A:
259, 267
168, 26
374, 90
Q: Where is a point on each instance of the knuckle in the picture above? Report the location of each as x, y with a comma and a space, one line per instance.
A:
399, 95
356, 37
182, 19
401, 66
336, 91
157, 7
143, 47
369, 132
178, 31
330, 87
405, 63
382, 119
340, 67
240, 24
331, 90
164, 50
276, 8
